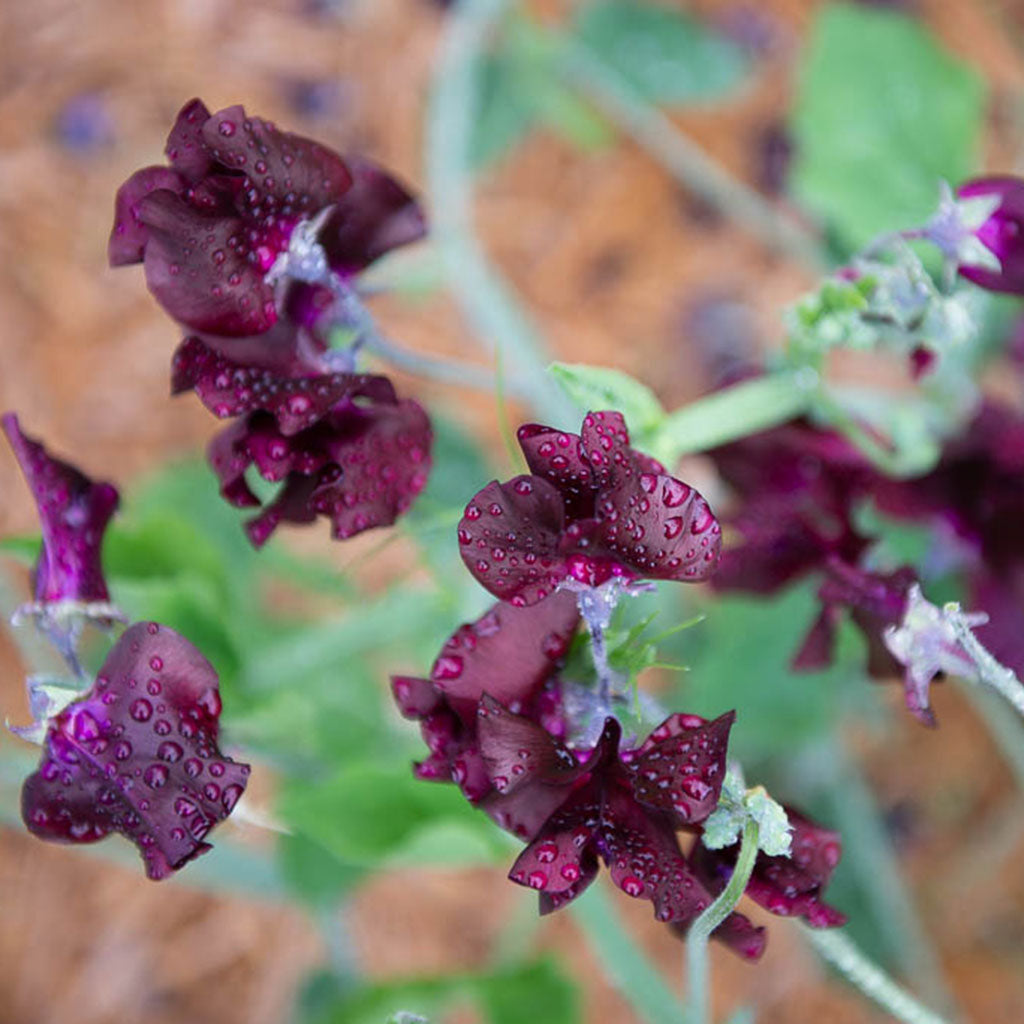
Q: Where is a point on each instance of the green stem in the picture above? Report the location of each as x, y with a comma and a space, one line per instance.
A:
626, 966
447, 371
488, 304
683, 158
839, 950
990, 672
701, 929
736, 411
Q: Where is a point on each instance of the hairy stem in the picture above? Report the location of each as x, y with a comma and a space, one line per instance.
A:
499, 321
684, 159
835, 946
990, 672
624, 963
697, 970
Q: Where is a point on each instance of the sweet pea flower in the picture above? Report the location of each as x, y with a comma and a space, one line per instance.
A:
137, 754
590, 510
73, 514
996, 259
619, 806
249, 222
342, 445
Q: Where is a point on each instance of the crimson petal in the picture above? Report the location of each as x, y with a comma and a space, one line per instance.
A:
558, 457
73, 514
509, 539
228, 388
186, 148
373, 217
129, 235
138, 755
680, 767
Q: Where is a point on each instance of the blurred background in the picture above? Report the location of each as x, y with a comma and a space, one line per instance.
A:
621, 262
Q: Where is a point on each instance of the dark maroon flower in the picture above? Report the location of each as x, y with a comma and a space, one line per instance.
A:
975, 497
1002, 233
592, 509
788, 886
341, 444
212, 226
73, 514
794, 488
875, 601
138, 755
511, 654
622, 807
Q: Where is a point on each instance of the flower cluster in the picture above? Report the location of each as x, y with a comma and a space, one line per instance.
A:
591, 509
137, 754
493, 716
252, 239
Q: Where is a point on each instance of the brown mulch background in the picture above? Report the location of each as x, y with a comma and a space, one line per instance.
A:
611, 255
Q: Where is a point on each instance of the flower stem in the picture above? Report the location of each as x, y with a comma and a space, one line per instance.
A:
447, 371
990, 672
736, 411
626, 965
487, 302
683, 158
697, 970
835, 946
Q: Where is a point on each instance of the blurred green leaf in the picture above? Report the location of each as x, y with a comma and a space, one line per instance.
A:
24, 550
882, 113
594, 388
667, 56
538, 993
369, 814
739, 658
312, 871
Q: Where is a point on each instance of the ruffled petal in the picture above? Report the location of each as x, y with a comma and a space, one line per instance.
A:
138, 755
509, 539
680, 767
128, 236
373, 217
186, 149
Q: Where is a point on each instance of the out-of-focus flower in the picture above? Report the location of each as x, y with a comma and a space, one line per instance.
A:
996, 221
138, 755
73, 514
788, 886
590, 510
249, 221
341, 444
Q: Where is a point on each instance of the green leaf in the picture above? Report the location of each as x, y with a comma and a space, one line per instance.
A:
367, 814
539, 993
665, 55
506, 112
599, 387
313, 873
882, 114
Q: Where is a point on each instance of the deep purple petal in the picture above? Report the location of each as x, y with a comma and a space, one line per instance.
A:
228, 388
558, 457
292, 504
416, 698
138, 755
383, 454
128, 236
680, 767
564, 853
374, 216
508, 653
287, 175
509, 539
604, 441
643, 857
186, 149
1002, 233
519, 752
198, 273
73, 515
657, 526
